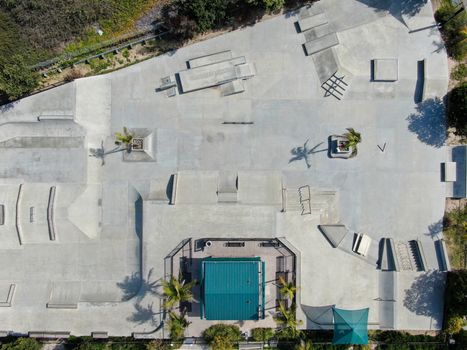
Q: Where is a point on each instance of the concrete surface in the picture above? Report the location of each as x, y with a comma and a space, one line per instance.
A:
114, 231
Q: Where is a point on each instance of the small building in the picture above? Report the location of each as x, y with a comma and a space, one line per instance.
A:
232, 288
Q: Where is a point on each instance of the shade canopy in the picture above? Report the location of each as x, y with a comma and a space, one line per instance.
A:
350, 326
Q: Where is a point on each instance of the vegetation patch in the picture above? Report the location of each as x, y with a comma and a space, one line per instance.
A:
453, 29
222, 336
457, 109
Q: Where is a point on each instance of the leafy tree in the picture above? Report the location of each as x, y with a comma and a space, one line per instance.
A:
22, 344
287, 320
222, 336
177, 325
287, 289
176, 291
353, 139
457, 108
262, 334
454, 325
16, 78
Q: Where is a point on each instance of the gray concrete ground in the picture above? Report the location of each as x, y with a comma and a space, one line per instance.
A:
114, 226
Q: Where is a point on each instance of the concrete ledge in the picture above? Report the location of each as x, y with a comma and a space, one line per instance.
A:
9, 298
174, 189
99, 335
312, 21
392, 253
386, 69
4, 334
320, 44
50, 213
55, 117
443, 257
61, 306
49, 335
210, 59
2, 214
17, 217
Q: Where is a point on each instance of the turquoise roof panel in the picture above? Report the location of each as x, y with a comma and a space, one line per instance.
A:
231, 288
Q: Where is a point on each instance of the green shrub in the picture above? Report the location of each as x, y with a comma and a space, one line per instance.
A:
262, 334
453, 29
222, 336
98, 65
457, 108
460, 72
16, 78
454, 325
455, 302
22, 344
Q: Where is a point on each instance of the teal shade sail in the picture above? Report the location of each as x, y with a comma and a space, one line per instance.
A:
350, 326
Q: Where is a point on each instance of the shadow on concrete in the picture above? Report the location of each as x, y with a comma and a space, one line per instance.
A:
8, 106
303, 153
428, 123
397, 9
425, 295
134, 286
435, 229
144, 314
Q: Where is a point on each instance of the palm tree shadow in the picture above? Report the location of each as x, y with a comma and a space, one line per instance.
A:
303, 153
428, 123
133, 286
435, 229
102, 153
144, 314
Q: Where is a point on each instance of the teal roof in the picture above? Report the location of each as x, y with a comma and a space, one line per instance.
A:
231, 288
350, 326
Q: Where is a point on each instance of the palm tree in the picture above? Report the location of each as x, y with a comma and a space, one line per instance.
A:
287, 289
286, 319
176, 291
353, 139
305, 345
177, 325
124, 138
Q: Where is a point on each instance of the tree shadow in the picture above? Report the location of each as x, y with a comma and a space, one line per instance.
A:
7, 106
134, 286
102, 153
428, 123
303, 153
435, 229
397, 9
144, 314
425, 295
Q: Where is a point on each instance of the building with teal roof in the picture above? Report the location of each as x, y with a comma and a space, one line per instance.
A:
232, 288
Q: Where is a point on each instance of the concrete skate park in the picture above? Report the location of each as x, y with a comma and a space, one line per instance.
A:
236, 148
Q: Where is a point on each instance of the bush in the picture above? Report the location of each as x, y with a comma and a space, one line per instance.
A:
73, 74
455, 302
453, 29
457, 109
262, 334
454, 325
222, 336
16, 78
22, 344
460, 72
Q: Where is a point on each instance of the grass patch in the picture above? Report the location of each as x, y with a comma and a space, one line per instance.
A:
455, 233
